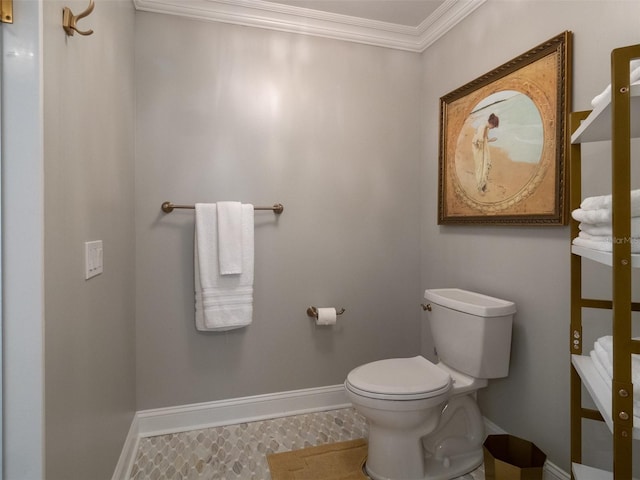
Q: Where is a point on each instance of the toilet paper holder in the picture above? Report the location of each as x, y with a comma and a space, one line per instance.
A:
313, 312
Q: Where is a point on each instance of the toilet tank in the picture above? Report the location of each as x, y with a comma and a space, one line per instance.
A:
471, 331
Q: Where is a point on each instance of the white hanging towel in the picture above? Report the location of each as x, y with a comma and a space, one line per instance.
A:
223, 302
230, 244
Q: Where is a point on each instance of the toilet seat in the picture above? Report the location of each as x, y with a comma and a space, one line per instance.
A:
413, 378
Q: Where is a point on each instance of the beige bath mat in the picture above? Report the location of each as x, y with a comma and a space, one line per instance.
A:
335, 461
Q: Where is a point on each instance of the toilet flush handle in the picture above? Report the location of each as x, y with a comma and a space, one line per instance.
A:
426, 308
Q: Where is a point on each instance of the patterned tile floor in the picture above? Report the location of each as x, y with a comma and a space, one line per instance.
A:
239, 452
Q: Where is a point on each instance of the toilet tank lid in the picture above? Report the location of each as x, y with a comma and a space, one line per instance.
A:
470, 302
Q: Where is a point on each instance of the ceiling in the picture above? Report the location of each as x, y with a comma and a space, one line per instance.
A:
402, 12
410, 25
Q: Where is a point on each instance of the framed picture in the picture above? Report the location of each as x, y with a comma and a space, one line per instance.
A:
504, 141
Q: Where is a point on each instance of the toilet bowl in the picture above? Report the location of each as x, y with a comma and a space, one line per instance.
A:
402, 400
423, 419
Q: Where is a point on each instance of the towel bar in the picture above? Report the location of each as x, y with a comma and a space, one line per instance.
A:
167, 207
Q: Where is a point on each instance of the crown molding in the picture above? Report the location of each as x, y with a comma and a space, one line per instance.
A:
286, 18
447, 16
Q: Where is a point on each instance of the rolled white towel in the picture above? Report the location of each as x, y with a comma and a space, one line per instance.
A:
605, 95
605, 202
606, 229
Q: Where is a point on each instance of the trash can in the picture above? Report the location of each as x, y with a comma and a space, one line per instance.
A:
511, 458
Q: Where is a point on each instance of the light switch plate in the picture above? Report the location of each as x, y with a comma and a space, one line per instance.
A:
92, 259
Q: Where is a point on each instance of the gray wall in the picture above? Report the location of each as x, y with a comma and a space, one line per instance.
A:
527, 265
89, 325
328, 128
346, 136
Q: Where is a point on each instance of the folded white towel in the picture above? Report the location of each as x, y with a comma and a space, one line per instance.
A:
603, 361
604, 358
603, 238
604, 244
606, 229
606, 201
605, 95
602, 215
606, 377
230, 237
606, 343
223, 302
600, 368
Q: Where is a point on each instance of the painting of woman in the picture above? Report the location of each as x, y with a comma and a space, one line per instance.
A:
518, 175
480, 148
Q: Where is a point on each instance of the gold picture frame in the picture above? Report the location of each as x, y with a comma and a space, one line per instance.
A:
504, 142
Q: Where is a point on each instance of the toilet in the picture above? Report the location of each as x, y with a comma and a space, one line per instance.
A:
424, 422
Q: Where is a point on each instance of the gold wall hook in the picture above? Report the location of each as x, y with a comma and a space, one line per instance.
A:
69, 20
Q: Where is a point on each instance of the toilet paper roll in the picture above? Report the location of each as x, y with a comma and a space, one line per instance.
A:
326, 316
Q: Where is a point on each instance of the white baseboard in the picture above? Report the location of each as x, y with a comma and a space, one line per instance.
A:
239, 410
491, 428
161, 421
553, 472
128, 454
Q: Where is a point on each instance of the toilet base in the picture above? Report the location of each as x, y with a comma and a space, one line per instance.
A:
448, 451
457, 467
439, 470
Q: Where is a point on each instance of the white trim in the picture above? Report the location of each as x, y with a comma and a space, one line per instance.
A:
160, 421
23, 243
447, 16
129, 450
491, 428
286, 18
247, 409
553, 472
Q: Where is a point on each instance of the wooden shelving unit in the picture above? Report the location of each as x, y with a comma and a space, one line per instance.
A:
617, 121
